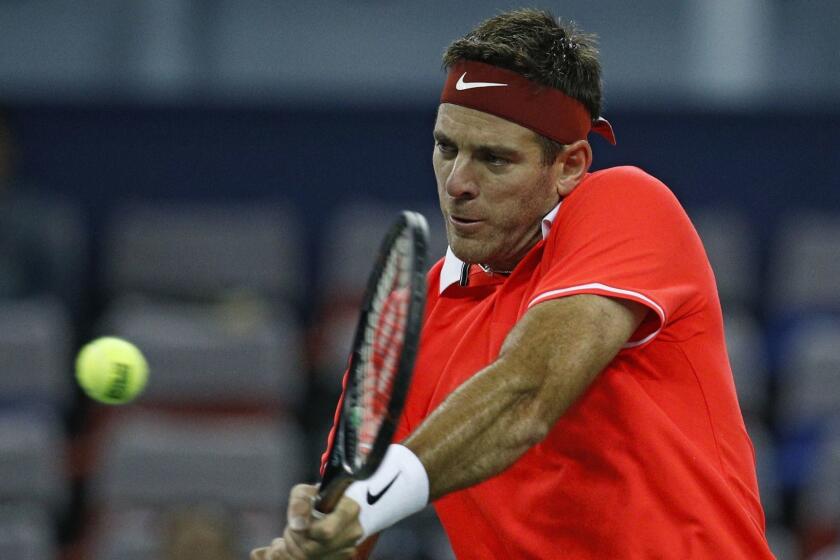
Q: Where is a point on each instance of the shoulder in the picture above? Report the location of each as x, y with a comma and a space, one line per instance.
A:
622, 181
623, 190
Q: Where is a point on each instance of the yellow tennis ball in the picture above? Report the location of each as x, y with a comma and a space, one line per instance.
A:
111, 370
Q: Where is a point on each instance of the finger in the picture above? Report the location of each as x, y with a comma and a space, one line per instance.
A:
277, 551
349, 536
294, 544
343, 554
300, 506
259, 553
344, 537
299, 546
343, 521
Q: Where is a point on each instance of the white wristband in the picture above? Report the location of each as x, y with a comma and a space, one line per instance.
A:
398, 488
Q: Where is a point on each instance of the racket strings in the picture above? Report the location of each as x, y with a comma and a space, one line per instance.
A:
384, 339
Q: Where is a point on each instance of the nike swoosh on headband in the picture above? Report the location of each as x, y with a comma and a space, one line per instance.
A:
462, 85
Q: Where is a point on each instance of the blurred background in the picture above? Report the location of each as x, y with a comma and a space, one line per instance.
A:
210, 179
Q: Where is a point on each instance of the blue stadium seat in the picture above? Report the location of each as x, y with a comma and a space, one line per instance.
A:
748, 358
27, 533
240, 352
819, 501
732, 247
809, 372
35, 338
805, 263
165, 460
142, 533
205, 250
349, 247
419, 537
32, 458
44, 249
808, 401
782, 542
33, 489
766, 460
347, 255
831, 553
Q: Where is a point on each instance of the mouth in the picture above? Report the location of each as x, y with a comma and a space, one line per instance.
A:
464, 224
462, 220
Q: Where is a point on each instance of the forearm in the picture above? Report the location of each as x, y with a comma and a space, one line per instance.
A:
478, 432
494, 418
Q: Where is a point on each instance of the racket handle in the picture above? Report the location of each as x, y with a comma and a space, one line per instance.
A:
327, 498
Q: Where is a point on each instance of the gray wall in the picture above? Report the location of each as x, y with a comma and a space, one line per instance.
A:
709, 53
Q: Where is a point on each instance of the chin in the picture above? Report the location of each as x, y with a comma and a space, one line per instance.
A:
467, 251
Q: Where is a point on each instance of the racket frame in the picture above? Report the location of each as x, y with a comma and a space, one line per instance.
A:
339, 473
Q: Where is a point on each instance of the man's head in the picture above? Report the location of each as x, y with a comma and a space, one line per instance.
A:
497, 177
538, 46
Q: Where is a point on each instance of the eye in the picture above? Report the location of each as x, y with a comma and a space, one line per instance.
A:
446, 149
496, 161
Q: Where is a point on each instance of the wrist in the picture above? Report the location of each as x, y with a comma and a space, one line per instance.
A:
398, 489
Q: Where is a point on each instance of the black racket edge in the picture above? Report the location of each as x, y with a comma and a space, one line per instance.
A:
338, 474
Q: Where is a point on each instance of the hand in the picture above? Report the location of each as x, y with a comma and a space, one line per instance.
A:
331, 538
276, 550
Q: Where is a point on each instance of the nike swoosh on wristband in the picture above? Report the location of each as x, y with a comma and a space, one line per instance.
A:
373, 498
462, 85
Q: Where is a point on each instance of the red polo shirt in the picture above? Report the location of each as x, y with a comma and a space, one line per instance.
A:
653, 461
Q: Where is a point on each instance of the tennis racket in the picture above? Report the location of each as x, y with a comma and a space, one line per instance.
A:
382, 359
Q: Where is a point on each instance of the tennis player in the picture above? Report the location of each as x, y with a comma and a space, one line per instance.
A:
572, 396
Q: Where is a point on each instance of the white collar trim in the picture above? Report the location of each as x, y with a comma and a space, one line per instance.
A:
452, 265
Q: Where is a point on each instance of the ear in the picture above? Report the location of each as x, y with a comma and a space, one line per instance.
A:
572, 165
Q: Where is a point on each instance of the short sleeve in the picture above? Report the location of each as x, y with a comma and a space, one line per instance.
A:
623, 234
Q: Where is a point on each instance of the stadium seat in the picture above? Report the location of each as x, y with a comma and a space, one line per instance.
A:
32, 458
782, 542
35, 338
830, 553
349, 247
127, 534
26, 533
205, 250
808, 402
43, 249
151, 464
347, 256
732, 247
766, 469
143, 533
419, 537
355, 233
819, 502
239, 352
749, 360
809, 371
157, 460
805, 263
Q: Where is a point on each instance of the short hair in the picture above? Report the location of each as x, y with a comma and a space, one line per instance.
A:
538, 46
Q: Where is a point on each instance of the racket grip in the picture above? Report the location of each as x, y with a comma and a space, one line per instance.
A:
327, 498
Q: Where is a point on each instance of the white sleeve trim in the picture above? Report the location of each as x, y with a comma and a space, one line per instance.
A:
618, 291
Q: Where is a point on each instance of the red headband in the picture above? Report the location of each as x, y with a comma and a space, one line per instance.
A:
513, 97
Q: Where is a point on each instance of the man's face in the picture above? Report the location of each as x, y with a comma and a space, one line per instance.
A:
493, 186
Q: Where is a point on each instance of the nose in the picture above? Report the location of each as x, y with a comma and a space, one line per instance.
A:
461, 181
